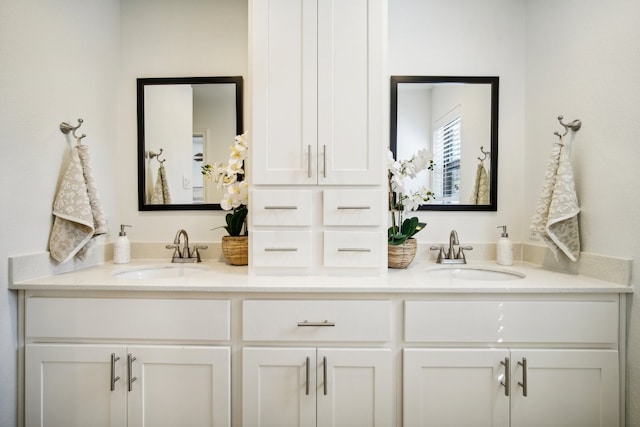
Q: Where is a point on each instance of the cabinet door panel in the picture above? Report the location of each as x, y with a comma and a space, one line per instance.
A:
70, 386
187, 386
568, 388
358, 390
276, 390
455, 387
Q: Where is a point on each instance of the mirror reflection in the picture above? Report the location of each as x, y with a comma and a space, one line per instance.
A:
456, 119
184, 123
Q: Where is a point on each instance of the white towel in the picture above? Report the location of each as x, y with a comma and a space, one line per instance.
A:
480, 195
77, 210
556, 216
161, 194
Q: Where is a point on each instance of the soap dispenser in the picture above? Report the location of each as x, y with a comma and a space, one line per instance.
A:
504, 248
122, 247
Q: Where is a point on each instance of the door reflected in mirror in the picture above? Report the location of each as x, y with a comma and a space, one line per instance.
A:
183, 123
456, 119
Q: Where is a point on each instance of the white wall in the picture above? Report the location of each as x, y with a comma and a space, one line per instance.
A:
583, 61
468, 38
59, 61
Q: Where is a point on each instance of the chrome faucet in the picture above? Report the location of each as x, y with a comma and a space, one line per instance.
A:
185, 254
452, 256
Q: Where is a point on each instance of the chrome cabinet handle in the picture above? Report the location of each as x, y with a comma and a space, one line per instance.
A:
281, 249
324, 161
325, 323
353, 207
523, 384
281, 207
130, 360
354, 250
507, 375
307, 377
114, 359
324, 375
309, 161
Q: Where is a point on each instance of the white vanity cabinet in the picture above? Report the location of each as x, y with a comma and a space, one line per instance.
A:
318, 90
510, 362
305, 385
90, 362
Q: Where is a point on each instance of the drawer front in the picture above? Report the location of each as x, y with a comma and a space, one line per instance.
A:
580, 322
281, 208
354, 249
322, 320
281, 248
353, 207
128, 318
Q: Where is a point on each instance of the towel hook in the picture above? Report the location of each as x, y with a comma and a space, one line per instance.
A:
66, 128
153, 154
574, 126
485, 154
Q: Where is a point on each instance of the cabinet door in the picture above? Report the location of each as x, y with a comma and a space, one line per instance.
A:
568, 388
279, 387
187, 386
354, 387
284, 77
350, 91
455, 387
70, 385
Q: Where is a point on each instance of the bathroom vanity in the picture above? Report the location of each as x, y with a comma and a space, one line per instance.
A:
215, 346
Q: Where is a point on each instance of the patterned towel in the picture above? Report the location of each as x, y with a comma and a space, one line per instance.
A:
77, 210
161, 194
480, 195
556, 217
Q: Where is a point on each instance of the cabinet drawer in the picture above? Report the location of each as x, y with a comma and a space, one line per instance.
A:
354, 249
353, 207
322, 320
279, 207
584, 322
128, 318
281, 248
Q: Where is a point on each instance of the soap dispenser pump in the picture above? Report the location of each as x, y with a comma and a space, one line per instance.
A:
122, 247
504, 248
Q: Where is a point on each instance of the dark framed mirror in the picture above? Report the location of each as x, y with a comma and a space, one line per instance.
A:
456, 119
183, 123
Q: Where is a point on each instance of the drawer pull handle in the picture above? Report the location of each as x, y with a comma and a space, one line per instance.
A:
325, 323
324, 375
114, 359
353, 207
306, 386
281, 249
523, 384
309, 161
130, 360
354, 250
507, 376
324, 161
281, 207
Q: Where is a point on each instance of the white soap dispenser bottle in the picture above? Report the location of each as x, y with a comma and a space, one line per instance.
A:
504, 248
122, 247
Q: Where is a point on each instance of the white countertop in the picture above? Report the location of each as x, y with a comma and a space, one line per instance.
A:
220, 277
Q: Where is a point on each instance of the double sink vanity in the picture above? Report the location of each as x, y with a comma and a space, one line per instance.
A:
209, 344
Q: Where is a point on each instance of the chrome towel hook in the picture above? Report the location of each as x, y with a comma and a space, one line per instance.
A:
574, 126
66, 128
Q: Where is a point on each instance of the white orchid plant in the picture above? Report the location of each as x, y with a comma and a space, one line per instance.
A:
236, 190
401, 201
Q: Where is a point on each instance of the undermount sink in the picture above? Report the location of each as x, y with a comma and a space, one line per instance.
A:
160, 271
474, 273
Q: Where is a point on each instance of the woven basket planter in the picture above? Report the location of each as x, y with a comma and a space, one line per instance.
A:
236, 249
400, 256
